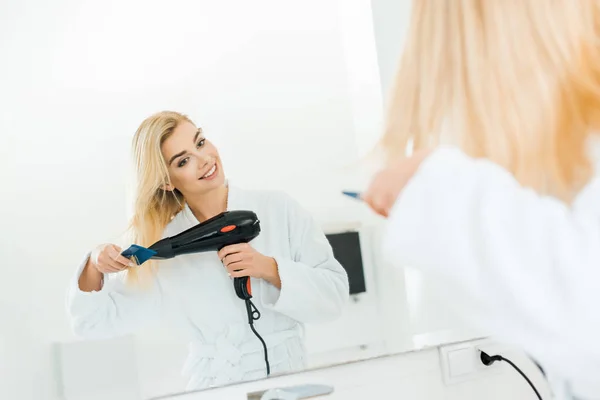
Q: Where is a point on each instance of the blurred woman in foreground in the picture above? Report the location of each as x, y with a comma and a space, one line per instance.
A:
498, 103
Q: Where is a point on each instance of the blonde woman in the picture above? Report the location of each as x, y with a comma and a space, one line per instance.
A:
294, 276
500, 103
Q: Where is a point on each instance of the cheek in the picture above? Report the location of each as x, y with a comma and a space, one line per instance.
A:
189, 175
185, 175
212, 150
174, 176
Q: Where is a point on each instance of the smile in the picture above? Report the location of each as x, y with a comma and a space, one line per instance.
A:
210, 172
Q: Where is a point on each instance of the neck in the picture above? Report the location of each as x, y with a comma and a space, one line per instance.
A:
210, 204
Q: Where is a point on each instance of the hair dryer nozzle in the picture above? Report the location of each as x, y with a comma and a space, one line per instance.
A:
163, 249
138, 253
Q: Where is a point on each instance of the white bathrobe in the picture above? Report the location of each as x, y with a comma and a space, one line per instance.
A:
528, 265
195, 293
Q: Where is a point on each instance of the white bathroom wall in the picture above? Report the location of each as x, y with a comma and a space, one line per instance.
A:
390, 27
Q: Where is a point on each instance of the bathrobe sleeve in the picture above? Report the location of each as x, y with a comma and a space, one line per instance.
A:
314, 285
530, 262
115, 310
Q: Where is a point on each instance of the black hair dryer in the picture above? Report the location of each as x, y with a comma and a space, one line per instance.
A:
225, 229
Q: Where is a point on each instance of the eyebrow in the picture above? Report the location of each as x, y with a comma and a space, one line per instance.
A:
198, 132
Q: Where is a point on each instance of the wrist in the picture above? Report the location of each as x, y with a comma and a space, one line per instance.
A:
91, 279
91, 270
272, 272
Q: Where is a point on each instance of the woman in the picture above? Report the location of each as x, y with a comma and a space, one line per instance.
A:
501, 197
294, 276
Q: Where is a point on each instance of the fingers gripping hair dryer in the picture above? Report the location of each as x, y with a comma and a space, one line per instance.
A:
225, 229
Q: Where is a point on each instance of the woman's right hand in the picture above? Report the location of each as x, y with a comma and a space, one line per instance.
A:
107, 258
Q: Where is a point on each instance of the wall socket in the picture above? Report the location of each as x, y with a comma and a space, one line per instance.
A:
460, 362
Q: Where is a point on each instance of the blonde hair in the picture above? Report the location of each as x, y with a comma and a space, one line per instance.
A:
154, 207
515, 81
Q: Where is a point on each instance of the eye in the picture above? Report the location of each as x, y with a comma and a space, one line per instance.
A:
183, 162
201, 142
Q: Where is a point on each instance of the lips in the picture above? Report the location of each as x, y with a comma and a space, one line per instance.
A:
211, 173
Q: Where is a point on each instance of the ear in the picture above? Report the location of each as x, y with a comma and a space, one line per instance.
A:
168, 187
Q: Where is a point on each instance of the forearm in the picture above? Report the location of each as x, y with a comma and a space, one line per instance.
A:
90, 278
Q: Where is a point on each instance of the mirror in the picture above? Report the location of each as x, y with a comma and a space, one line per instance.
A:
290, 93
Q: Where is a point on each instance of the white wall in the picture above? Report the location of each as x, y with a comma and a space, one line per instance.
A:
391, 19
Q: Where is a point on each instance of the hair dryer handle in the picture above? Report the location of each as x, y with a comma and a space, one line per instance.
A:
242, 287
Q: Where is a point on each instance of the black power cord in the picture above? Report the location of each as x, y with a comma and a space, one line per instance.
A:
244, 292
253, 315
488, 360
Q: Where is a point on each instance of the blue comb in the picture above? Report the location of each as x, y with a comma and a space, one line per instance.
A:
139, 254
354, 195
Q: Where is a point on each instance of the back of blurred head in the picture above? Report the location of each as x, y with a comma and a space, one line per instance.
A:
515, 81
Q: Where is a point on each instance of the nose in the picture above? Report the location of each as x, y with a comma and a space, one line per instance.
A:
204, 160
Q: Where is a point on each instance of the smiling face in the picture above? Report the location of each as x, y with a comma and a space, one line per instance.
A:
193, 162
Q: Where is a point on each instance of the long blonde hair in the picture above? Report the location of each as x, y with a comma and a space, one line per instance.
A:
515, 81
154, 207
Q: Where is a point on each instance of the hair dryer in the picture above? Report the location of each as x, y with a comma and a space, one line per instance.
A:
227, 228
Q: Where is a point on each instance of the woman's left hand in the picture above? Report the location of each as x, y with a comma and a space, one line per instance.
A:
243, 260
387, 184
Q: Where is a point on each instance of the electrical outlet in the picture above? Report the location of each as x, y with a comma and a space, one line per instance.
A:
460, 362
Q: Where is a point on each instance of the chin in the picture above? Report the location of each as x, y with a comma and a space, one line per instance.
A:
215, 183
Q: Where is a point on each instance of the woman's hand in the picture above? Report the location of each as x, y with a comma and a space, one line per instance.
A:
107, 258
242, 260
387, 184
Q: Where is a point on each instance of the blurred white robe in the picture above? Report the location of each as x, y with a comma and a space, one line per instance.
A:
194, 292
526, 266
